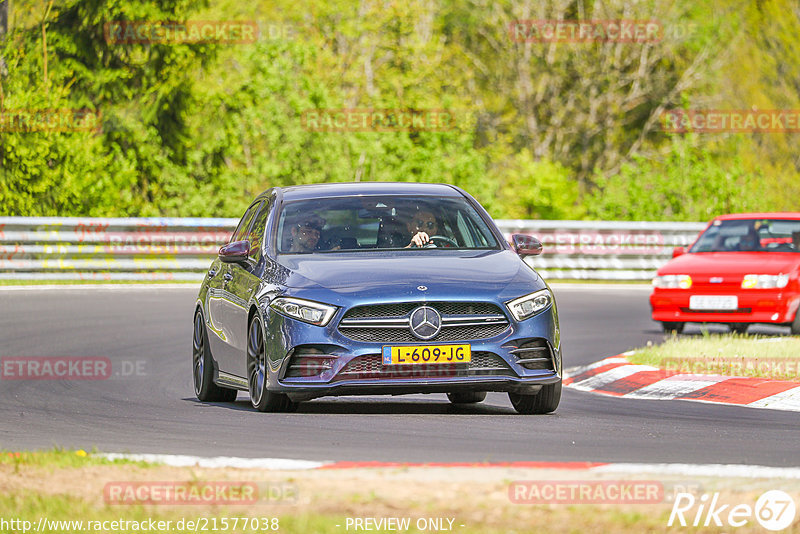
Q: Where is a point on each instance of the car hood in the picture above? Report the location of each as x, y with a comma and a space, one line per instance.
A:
732, 263
488, 274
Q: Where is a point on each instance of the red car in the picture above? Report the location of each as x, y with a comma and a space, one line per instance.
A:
743, 269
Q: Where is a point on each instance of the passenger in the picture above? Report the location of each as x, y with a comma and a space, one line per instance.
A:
305, 234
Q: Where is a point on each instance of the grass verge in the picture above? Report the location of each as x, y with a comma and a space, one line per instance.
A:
467, 501
775, 358
59, 458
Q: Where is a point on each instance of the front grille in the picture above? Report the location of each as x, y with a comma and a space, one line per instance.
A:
402, 309
397, 335
461, 321
371, 366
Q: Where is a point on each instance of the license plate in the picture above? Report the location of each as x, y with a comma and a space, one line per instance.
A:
426, 354
713, 302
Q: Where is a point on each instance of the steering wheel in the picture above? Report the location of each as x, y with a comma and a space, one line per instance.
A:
443, 241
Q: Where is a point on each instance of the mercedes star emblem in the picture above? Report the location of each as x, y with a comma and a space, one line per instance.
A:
425, 322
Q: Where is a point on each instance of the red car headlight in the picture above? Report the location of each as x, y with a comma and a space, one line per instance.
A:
765, 281
673, 281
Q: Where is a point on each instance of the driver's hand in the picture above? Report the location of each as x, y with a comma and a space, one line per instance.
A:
420, 239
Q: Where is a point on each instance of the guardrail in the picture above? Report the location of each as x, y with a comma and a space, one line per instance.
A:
49, 248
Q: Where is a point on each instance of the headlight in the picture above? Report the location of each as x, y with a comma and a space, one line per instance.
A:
765, 281
673, 281
304, 310
529, 305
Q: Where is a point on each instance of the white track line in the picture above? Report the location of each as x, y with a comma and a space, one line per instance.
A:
218, 461
675, 386
574, 371
612, 375
708, 470
785, 400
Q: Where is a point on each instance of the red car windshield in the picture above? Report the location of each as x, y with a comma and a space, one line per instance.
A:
750, 235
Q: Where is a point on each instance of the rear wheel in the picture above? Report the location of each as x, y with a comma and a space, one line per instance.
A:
545, 401
261, 398
466, 397
739, 328
670, 327
203, 368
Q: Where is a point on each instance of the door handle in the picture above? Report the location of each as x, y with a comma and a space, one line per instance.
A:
227, 277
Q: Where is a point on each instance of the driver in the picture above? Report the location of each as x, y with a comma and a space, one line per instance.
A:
750, 241
305, 234
422, 226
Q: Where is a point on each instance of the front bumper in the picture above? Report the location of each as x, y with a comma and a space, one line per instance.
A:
350, 367
771, 306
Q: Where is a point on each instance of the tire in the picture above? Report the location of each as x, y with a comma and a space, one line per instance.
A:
545, 401
672, 327
466, 397
739, 328
796, 324
203, 367
261, 398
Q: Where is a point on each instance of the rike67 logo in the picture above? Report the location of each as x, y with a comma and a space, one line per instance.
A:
774, 510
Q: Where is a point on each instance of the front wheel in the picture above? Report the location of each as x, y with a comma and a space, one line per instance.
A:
203, 369
261, 398
738, 328
545, 401
796, 324
670, 327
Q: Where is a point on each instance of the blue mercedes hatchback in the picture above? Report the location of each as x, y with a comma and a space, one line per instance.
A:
375, 288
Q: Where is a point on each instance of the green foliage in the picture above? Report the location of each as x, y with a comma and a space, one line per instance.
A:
560, 130
536, 189
687, 184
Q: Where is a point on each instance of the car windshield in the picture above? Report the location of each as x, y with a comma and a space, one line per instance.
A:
347, 224
752, 235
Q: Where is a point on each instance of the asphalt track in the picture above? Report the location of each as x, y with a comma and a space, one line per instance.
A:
148, 405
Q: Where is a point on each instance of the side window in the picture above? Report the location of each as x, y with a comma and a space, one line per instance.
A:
244, 224
256, 235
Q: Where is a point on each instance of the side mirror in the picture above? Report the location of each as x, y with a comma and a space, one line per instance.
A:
236, 252
678, 251
526, 245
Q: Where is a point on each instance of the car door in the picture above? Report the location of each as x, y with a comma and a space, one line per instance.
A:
220, 304
244, 282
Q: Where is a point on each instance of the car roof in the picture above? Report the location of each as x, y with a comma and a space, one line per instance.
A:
776, 215
341, 189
